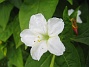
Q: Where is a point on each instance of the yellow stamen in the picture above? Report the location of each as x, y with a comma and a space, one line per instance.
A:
38, 36
39, 40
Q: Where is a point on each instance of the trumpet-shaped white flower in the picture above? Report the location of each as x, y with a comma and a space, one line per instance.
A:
42, 36
78, 19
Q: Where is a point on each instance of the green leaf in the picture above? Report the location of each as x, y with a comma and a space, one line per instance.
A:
5, 9
16, 3
81, 54
70, 1
84, 12
15, 56
2, 1
67, 32
70, 58
28, 8
65, 14
3, 62
87, 60
16, 32
43, 62
83, 38
4, 35
1, 52
83, 28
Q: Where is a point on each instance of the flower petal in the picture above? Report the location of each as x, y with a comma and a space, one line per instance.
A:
27, 37
78, 17
55, 26
55, 46
70, 11
38, 23
38, 49
79, 12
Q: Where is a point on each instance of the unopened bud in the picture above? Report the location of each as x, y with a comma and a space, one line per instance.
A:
74, 26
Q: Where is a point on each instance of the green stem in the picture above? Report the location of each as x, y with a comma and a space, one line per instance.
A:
52, 61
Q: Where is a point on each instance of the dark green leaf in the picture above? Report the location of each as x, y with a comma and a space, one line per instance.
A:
5, 9
4, 35
70, 58
28, 8
14, 56
16, 32
83, 38
16, 3
70, 1
3, 62
87, 60
2, 1
67, 32
81, 54
1, 52
84, 12
65, 14
44, 61
84, 27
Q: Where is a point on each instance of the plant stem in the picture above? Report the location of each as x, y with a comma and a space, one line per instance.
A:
52, 61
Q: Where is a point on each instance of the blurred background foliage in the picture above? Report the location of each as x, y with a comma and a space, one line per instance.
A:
14, 17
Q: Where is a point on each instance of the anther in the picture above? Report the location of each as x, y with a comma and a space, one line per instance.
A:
38, 36
39, 40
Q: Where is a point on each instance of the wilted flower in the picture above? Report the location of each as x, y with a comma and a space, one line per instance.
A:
42, 36
78, 19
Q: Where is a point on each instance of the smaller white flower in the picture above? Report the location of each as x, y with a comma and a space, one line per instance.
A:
42, 36
78, 19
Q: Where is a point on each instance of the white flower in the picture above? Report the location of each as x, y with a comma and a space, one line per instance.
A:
42, 36
70, 11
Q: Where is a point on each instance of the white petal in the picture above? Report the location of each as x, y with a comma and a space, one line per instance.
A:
27, 37
70, 11
55, 46
79, 19
55, 26
38, 23
38, 49
79, 12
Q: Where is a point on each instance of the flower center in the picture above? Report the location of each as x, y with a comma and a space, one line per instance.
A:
42, 37
46, 37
